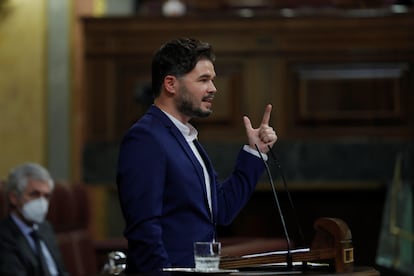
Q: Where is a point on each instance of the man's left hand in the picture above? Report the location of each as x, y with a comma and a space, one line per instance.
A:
264, 136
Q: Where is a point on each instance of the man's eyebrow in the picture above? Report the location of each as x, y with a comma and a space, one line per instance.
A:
211, 76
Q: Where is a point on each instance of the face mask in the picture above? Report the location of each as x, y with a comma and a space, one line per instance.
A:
36, 210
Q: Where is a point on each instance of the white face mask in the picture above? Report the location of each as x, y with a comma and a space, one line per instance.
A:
36, 210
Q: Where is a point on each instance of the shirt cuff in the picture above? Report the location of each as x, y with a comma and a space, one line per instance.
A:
254, 152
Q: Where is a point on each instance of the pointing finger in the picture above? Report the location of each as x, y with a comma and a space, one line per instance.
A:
266, 115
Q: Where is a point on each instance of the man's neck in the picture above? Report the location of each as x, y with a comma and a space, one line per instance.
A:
172, 111
19, 216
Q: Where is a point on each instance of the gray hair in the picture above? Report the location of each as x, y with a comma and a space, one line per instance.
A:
19, 177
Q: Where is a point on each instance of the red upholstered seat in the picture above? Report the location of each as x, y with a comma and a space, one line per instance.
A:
63, 209
69, 215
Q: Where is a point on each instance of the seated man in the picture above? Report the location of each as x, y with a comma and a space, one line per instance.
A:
27, 242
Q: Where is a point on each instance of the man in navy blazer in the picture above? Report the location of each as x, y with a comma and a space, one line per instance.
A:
168, 190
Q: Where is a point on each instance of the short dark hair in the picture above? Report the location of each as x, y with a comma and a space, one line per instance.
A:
177, 57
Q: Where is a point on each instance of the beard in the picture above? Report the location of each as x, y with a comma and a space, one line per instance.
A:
186, 104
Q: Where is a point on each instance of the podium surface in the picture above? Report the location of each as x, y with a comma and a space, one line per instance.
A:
357, 271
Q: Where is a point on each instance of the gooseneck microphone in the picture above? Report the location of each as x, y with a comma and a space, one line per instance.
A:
289, 245
276, 162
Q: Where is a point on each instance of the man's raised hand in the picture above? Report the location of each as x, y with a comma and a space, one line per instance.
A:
263, 136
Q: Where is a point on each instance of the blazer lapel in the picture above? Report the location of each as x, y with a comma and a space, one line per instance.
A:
26, 249
23, 245
186, 148
175, 132
46, 239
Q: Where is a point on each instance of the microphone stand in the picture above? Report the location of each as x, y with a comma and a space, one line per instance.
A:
276, 162
289, 246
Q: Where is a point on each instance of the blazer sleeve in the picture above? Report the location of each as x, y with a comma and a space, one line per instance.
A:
14, 251
236, 190
10, 261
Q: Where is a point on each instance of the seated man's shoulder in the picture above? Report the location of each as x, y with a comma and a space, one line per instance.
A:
8, 233
46, 226
7, 225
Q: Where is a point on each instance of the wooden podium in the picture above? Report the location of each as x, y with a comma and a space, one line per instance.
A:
332, 245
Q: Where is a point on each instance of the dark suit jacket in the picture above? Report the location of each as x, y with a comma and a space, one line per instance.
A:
163, 195
16, 255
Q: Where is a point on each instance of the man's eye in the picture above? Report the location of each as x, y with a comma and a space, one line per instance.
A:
34, 194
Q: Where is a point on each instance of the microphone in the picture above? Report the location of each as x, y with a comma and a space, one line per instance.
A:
289, 245
276, 161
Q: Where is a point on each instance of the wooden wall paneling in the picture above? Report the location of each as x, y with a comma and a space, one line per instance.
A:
262, 60
259, 42
259, 76
100, 74
280, 98
133, 93
350, 98
358, 92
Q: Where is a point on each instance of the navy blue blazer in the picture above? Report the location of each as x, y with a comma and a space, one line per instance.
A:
16, 255
163, 194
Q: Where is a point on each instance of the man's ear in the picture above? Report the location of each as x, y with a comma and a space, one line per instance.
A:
170, 83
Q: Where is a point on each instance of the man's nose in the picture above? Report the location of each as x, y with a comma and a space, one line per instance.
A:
212, 88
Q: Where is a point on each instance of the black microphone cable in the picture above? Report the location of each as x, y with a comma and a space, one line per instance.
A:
289, 246
276, 162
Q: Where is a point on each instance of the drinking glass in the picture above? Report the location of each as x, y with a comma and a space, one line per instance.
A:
207, 256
